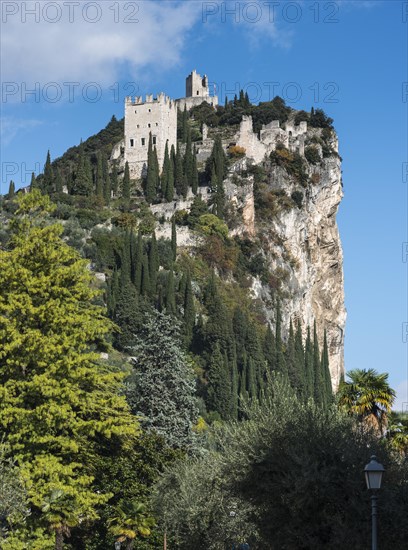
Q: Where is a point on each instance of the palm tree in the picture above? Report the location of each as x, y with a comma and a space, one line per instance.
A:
368, 396
397, 432
131, 520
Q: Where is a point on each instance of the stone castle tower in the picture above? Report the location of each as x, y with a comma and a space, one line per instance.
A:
197, 91
158, 117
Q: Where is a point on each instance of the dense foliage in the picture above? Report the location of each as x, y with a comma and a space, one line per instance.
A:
288, 477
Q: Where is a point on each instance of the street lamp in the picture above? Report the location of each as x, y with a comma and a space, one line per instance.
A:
117, 545
373, 475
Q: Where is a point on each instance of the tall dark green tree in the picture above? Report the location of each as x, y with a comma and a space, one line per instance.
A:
152, 177
12, 190
164, 180
58, 181
48, 180
33, 183
280, 364
107, 185
328, 392
178, 172
317, 369
269, 348
300, 360
170, 293
127, 316
82, 184
309, 372
99, 175
153, 263
162, 386
219, 384
189, 312
146, 288
126, 183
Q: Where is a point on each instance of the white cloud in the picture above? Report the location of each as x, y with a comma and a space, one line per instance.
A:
401, 401
84, 52
11, 126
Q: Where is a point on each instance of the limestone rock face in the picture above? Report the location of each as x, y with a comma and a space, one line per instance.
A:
304, 251
301, 244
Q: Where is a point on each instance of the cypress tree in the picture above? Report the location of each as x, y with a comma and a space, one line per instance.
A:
146, 289
165, 172
194, 176
48, 180
126, 262
243, 383
58, 181
12, 189
170, 294
178, 172
153, 263
152, 174
139, 263
279, 355
174, 238
126, 183
309, 374
33, 183
269, 349
170, 177
251, 379
219, 384
317, 369
189, 312
107, 186
291, 359
328, 391
99, 175
234, 390
300, 360
127, 316
83, 182
88, 172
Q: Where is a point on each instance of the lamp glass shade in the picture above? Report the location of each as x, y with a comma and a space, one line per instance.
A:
373, 479
373, 474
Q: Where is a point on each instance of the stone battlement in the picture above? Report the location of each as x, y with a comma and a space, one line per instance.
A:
138, 100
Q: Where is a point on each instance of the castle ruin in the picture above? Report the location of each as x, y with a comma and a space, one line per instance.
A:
157, 117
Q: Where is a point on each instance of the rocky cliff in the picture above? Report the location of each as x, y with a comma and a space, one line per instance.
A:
283, 193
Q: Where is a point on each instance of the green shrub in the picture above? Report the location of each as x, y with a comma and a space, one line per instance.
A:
312, 155
209, 224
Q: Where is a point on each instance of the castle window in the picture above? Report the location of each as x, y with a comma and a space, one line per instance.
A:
149, 125
150, 110
143, 141
157, 123
135, 111
132, 142
198, 92
154, 140
138, 125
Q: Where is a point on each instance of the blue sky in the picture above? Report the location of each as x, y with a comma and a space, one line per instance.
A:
349, 58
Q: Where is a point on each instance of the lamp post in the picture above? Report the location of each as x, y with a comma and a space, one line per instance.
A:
373, 475
117, 545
